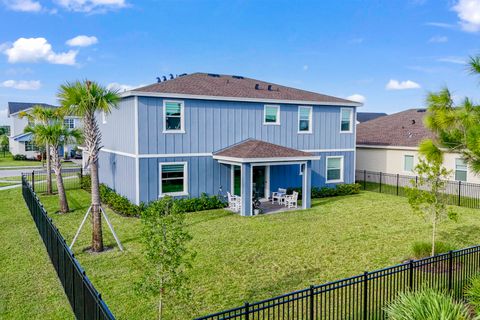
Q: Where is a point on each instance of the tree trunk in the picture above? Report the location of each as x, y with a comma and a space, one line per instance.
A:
62, 197
97, 236
49, 169
160, 304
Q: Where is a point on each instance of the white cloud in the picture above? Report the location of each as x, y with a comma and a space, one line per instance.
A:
468, 12
456, 60
91, 5
122, 87
23, 5
305, 67
82, 41
357, 98
401, 85
21, 84
38, 50
438, 39
440, 25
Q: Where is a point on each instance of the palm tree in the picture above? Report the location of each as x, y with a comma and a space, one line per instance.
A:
43, 115
54, 134
84, 99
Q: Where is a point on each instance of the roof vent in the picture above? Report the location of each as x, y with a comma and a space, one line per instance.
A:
413, 121
214, 75
421, 110
269, 87
164, 78
238, 77
171, 76
159, 80
182, 75
257, 86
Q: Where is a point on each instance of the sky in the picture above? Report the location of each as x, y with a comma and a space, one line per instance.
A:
386, 54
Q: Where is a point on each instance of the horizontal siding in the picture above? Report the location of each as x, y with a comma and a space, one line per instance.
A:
213, 125
118, 172
119, 132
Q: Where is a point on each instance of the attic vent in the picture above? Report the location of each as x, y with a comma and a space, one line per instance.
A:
182, 75
422, 110
413, 121
214, 75
269, 87
257, 86
238, 77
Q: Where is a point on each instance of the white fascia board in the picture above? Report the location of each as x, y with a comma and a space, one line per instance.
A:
254, 160
221, 98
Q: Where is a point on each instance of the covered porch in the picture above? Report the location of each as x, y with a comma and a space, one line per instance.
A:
259, 168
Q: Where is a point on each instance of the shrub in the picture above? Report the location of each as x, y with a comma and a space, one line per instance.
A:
324, 192
19, 157
422, 249
205, 202
472, 293
426, 304
85, 182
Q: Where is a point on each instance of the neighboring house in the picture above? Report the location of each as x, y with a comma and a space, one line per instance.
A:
367, 116
210, 133
21, 142
390, 144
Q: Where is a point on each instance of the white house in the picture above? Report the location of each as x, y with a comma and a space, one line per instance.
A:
390, 144
21, 142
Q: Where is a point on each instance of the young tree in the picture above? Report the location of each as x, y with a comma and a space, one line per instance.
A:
4, 143
428, 196
55, 134
456, 126
168, 257
84, 99
43, 116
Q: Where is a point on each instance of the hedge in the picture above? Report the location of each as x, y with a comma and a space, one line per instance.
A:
323, 192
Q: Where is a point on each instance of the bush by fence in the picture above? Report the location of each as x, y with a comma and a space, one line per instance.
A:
365, 296
323, 192
86, 302
459, 193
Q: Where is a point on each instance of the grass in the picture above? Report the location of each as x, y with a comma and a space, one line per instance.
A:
247, 259
6, 184
29, 287
8, 161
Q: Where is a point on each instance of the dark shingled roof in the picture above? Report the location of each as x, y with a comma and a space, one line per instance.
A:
251, 148
14, 107
367, 116
403, 129
204, 84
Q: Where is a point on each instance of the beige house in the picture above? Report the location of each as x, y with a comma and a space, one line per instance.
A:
390, 144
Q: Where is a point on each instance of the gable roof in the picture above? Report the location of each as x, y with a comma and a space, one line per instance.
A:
402, 129
215, 86
257, 149
14, 107
367, 116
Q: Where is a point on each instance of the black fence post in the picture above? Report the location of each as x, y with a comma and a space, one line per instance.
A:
398, 178
450, 270
459, 192
312, 297
33, 180
380, 182
410, 273
365, 295
364, 179
416, 181
247, 310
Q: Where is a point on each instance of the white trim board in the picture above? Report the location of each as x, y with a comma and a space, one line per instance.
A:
239, 99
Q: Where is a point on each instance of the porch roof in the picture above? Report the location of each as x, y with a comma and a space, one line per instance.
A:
23, 137
252, 150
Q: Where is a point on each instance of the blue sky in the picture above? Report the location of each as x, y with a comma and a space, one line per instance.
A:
391, 53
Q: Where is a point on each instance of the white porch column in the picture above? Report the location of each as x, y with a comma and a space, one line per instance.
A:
246, 190
307, 185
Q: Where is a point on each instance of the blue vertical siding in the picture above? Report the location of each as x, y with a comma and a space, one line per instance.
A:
118, 172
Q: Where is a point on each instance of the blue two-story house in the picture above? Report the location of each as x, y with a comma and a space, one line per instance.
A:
216, 133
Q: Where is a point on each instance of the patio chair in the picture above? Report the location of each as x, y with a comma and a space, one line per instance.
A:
234, 202
279, 195
291, 200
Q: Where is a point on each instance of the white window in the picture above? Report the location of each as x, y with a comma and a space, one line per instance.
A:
304, 119
408, 163
460, 170
346, 120
271, 114
334, 169
173, 117
69, 123
104, 117
173, 179
30, 146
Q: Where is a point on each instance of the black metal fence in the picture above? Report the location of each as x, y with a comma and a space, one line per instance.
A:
86, 302
71, 179
459, 193
365, 296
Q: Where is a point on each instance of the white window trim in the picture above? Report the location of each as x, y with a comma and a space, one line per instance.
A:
309, 120
185, 180
277, 117
104, 117
341, 169
455, 171
68, 120
404, 162
182, 116
351, 120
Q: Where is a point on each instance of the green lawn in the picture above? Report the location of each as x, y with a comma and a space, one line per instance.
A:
8, 161
246, 259
29, 287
